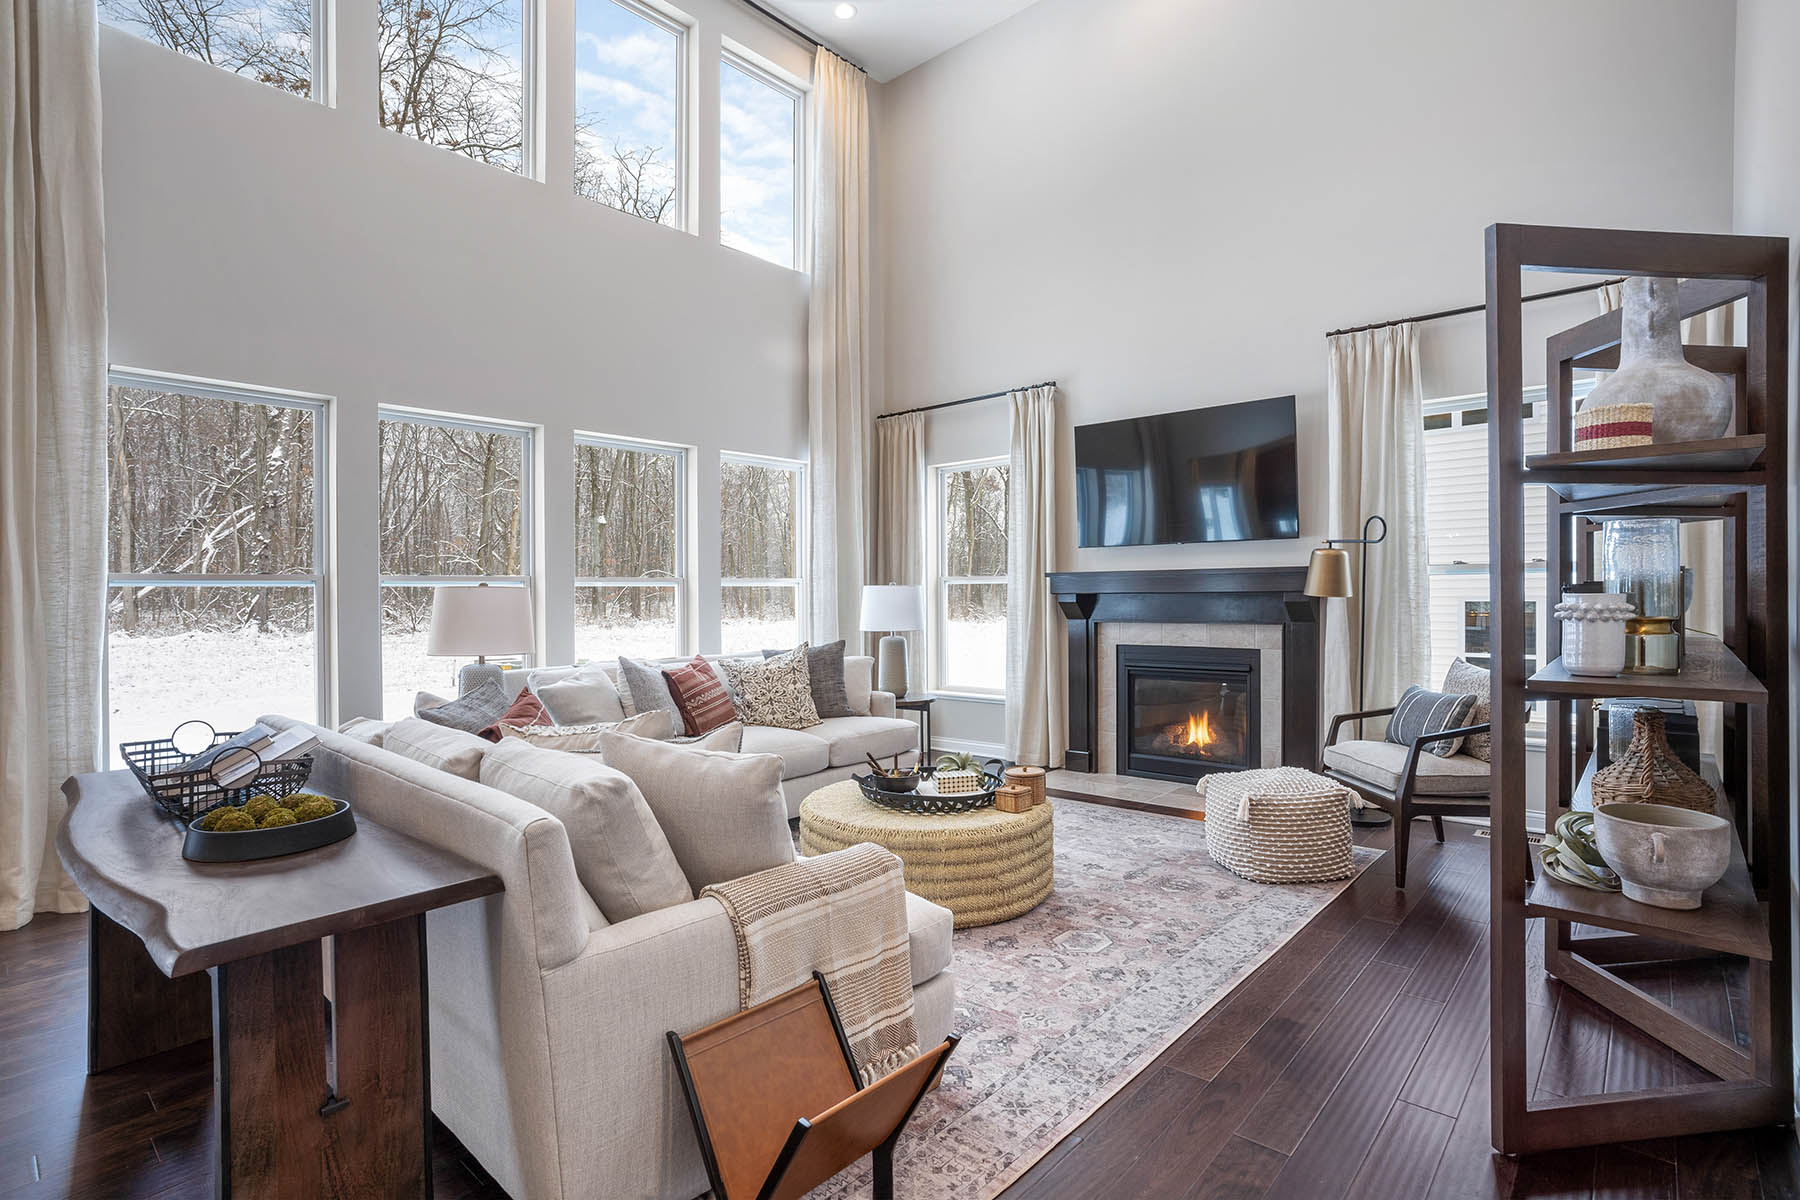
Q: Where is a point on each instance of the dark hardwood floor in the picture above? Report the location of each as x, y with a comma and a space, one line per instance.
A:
1352, 1064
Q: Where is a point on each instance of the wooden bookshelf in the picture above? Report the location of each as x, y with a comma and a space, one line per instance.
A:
1711, 672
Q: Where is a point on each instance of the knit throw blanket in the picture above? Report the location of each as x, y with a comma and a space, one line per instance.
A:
843, 914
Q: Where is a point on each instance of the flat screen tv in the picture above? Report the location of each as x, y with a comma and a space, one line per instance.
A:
1223, 474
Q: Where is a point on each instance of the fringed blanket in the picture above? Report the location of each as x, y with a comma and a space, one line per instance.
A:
843, 914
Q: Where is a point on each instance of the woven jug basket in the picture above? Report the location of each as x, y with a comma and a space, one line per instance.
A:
1278, 825
1650, 772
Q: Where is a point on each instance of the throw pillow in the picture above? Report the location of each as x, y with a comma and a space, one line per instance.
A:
700, 696
585, 739
728, 738
526, 709
825, 673
474, 712
776, 691
621, 855
1421, 712
366, 730
723, 813
438, 746
649, 690
586, 698
859, 683
1466, 679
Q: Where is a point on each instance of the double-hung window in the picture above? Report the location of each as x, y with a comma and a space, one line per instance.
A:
630, 548
454, 509
631, 109
968, 602
759, 161
216, 556
761, 506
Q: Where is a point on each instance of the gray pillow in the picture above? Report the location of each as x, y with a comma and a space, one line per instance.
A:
1421, 712
1465, 678
825, 675
723, 814
586, 698
474, 712
649, 690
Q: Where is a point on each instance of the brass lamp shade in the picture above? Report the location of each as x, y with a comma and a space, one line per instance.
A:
1328, 574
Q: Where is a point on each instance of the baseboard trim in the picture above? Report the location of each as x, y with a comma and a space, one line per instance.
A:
964, 746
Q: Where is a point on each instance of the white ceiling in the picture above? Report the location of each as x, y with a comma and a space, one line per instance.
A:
891, 37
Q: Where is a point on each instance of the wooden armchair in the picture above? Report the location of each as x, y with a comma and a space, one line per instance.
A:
1409, 781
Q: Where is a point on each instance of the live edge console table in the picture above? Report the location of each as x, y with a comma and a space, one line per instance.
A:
313, 1099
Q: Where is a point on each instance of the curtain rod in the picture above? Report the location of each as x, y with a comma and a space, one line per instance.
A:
1475, 308
907, 412
800, 33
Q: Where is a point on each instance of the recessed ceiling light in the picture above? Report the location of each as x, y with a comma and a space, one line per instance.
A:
845, 11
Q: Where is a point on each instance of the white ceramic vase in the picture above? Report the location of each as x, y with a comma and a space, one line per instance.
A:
1593, 625
1689, 404
1663, 856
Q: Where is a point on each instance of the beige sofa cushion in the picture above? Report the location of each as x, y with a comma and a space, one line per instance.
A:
438, 746
621, 855
859, 682
928, 929
723, 814
849, 738
1381, 763
366, 730
801, 752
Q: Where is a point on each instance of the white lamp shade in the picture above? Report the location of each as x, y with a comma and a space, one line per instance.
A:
892, 606
480, 621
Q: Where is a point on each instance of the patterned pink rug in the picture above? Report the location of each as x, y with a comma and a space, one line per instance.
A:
1061, 1007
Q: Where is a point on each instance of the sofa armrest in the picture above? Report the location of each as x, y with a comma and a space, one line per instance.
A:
881, 704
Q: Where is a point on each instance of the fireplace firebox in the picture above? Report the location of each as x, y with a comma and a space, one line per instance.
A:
1187, 711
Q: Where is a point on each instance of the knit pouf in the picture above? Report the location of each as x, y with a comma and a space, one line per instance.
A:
1281, 825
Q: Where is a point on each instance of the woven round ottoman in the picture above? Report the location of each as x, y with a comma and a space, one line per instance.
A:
984, 866
1281, 825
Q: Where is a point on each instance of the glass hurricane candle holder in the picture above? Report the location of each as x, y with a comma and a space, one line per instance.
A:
1643, 564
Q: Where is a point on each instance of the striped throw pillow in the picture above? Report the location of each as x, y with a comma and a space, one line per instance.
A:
701, 695
1421, 712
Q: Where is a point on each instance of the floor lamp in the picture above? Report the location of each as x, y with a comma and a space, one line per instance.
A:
1328, 575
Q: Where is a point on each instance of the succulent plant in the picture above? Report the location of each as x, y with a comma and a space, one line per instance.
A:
958, 762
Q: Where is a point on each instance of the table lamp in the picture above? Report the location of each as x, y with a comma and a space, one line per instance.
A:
479, 621
891, 608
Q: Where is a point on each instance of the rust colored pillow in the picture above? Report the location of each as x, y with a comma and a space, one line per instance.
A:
701, 696
526, 710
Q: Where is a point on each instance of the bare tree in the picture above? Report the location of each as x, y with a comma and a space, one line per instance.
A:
446, 79
268, 40
630, 180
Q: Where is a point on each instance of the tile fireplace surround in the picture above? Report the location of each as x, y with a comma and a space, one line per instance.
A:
1264, 609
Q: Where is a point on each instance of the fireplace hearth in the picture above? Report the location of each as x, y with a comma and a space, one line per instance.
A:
1187, 711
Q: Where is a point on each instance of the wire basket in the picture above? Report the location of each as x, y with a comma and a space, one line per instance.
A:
931, 803
187, 795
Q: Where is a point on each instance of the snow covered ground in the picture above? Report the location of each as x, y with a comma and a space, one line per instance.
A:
974, 655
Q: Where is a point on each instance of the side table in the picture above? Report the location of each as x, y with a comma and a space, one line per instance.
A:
922, 706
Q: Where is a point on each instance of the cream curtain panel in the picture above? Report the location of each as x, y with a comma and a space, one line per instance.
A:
1037, 716
837, 325
52, 441
1375, 415
899, 555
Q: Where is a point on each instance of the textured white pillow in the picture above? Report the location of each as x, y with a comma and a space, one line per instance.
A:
438, 746
585, 739
859, 681
587, 697
365, 729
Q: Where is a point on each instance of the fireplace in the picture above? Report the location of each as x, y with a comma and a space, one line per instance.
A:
1187, 711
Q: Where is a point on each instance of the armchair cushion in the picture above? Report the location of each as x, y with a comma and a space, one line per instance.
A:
1421, 712
1382, 764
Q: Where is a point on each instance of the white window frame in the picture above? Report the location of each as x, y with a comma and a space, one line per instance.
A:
671, 20
319, 579
527, 579
745, 60
940, 580
320, 58
797, 582
683, 598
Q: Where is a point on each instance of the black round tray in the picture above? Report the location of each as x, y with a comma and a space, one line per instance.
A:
246, 845
930, 803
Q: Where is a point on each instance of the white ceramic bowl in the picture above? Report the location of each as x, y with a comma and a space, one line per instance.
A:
1663, 856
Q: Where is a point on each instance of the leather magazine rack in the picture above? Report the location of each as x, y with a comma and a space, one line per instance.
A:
776, 1103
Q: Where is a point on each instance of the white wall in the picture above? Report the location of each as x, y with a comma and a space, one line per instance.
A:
258, 238
1165, 205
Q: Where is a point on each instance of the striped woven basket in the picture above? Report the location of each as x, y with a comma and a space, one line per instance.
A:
1281, 825
1614, 425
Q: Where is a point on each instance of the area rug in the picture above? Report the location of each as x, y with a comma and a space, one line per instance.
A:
1061, 1007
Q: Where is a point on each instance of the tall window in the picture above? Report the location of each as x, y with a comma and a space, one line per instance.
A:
968, 620
629, 553
630, 90
759, 162
452, 508
453, 74
270, 41
760, 506
216, 562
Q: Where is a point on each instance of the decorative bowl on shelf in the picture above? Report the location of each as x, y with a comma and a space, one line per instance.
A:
1663, 856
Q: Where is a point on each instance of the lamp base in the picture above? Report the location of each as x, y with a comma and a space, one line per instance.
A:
890, 670
1369, 818
476, 674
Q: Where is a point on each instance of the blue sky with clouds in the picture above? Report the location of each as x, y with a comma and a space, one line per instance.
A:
756, 165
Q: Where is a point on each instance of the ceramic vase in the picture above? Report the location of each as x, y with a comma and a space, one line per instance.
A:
1593, 629
1688, 404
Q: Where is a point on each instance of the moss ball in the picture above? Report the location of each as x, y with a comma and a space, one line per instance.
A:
312, 808
276, 816
261, 806
233, 820
211, 819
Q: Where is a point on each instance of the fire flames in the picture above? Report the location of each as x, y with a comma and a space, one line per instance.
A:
1197, 733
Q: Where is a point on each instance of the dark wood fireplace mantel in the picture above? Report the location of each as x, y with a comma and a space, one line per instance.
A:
1232, 596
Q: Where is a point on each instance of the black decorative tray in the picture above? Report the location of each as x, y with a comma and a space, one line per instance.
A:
202, 845
930, 802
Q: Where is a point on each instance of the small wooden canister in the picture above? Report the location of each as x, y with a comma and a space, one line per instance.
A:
1028, 777
1012, 798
